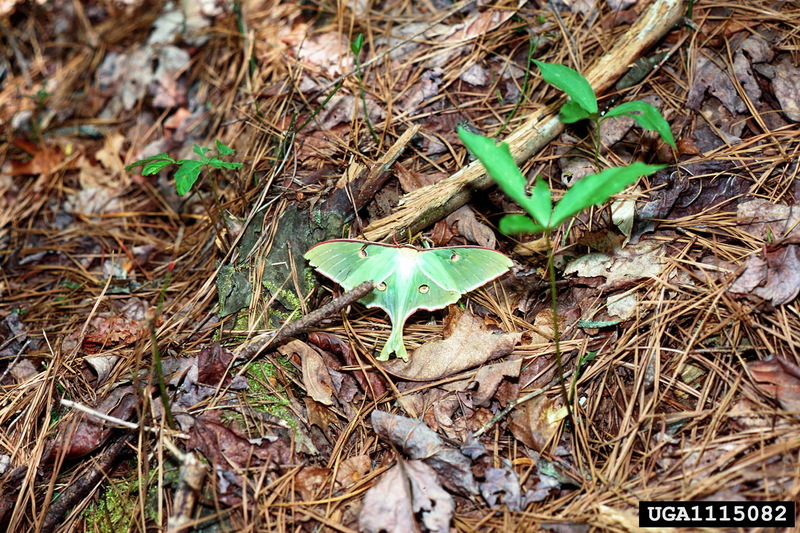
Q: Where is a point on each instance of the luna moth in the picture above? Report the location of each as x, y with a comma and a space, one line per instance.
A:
407, 279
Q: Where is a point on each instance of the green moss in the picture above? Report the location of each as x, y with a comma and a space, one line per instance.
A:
260, 371
119, 499
316, 214
310, 277
286, 297
242, 322
264, 399
115, 508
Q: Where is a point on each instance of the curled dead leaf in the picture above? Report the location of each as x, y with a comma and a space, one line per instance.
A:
532, 422
316, 378
418, 441
780, 378
407, 490
771, 276
471, 343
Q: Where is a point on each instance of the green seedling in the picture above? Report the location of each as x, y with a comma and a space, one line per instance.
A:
594, 189
544, 217
582, 361
355, 47
583, 103
188, 169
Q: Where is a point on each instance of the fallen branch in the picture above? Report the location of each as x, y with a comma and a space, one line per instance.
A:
424, 206
273, 339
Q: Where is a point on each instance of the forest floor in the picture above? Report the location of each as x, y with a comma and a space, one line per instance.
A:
138, 391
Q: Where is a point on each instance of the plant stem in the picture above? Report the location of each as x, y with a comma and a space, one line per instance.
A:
157, 367
551, 269
321, 106
596, 144
364, 102
532, 45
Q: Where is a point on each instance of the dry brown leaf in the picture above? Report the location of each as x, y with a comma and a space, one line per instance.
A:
709, 77
45, 159
319, 415
644, 259
110, 154
370, 381
310, 480
168, 89
106, 332
418, 441
471, 228
470, 344
102, 365
352, 469
489, 378
767, 220
772, 275
229, 453
22, 370
213, 363
407, 490
531, 423
786, 86
91, 432
316, 378
780, 378
411, 180
502, 485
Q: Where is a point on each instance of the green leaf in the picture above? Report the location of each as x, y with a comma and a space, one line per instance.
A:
540, 204
571, 82
218, 163
152, 158
155, 166
519, 224
502, 168
646, 116
187, 175
356, 45
200, 151
224, 150
571, 112
597, 188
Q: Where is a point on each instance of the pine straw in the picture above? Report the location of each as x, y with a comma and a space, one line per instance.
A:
646, 430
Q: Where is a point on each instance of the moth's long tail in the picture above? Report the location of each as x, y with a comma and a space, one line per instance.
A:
394, 344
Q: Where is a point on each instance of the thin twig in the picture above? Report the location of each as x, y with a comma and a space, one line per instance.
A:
118, 421
300, 325
78, 490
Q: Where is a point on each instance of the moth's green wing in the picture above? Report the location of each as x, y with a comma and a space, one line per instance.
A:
463, 269
407, 279
407, 291
350, 263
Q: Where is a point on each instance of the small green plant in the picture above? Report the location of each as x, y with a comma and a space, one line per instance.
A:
188, 169
582, 361
583, 104
544, 218
355, 47
594, 189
